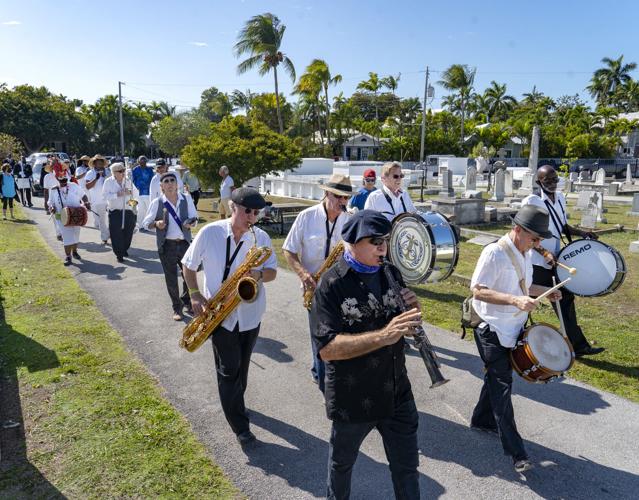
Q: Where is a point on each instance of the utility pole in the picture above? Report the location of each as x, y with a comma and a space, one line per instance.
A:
121, 121
421, 149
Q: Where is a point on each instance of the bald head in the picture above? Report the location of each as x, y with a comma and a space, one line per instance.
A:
547, 178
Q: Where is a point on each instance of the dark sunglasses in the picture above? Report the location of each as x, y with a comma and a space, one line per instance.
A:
170, 179
369, 180
339, 197
379, 240
249, 210
398, 176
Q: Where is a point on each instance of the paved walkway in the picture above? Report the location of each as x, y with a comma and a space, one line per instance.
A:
583, 440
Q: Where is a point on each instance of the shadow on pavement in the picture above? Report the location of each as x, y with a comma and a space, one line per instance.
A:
556, 475
303, 463
570, 398
274, 349
18, 477
108, 271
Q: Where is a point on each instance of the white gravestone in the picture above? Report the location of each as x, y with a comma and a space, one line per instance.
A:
574, 176
447, 184
600, 177
498, 192
628, 174
471, 178
589, 217
635, 205
508, 183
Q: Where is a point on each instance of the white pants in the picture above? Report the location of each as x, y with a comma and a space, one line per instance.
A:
143, 208
101, 219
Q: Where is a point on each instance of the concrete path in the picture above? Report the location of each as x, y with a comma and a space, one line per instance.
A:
583, 440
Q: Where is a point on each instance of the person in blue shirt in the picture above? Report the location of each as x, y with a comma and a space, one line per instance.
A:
368, 181
8, 189
141, 176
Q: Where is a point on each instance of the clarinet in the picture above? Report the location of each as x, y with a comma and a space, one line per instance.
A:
421, 340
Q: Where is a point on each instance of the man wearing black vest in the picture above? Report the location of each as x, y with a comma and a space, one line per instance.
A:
172, 215
555, 203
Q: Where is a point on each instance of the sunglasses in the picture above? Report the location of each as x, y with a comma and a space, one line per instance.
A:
379, 240
369, 180
247, 211
398, 176
339, 197
170, 179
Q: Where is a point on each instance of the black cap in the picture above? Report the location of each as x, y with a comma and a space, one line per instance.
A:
248, 197
365, 224
159, 162
534, 219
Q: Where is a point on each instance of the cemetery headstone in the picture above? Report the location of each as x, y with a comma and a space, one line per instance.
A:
498, 192
628, 174
447, 184
635, 205
508, 183
600, 177
471, 178
574, 176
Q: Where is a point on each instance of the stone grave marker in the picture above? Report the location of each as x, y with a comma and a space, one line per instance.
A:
583, 199
635, 205
600, 177
574, 176
508, 183
498, 192
471, 179
589, 217
447, 184
628, 174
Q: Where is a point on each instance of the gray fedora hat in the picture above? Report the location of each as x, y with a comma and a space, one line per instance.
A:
534, 219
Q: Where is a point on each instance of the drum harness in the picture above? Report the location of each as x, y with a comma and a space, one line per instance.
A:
390, 202
561, 228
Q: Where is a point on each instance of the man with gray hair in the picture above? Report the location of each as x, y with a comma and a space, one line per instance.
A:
226, 187
391, 200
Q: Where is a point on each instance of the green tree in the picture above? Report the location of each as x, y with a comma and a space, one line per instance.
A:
10, 146
264, 108
607, 80
215, 105
36, 116
592, 145
242, 100
372, 86
308, 88
160, 110
261, 38
318, 71
247, 146
460, 78
499, 103
173, 133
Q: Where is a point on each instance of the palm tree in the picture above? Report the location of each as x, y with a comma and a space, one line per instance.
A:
532, 97
499, 103
391, 82
242, 100
319, 73
481, 106
630, 95
609, 78
261, 38
373, 84
160, 110
460, 78
308, 88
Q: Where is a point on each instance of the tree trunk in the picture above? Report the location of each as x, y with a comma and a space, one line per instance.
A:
328, 115
277, 102
463, 109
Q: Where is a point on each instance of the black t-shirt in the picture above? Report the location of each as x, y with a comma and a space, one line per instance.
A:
368, 387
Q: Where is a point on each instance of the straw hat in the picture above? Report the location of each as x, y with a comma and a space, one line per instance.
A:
84, 158
338, 184
96, 158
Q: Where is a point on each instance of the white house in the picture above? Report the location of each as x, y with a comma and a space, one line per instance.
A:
361, 147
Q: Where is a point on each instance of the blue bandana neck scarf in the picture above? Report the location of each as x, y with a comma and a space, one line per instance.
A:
357, 266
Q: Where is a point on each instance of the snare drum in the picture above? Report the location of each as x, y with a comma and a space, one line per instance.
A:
541, 354
74, 216
423, 246
600, 268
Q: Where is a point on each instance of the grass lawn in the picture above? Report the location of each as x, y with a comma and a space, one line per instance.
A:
611, 321
92, 422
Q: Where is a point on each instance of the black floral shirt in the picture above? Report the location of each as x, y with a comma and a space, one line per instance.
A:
368, 387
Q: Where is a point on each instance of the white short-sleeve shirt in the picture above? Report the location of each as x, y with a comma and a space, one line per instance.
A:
377, 201
495, 271
209, 249
556, 221
307, 237
225, 187
69, 196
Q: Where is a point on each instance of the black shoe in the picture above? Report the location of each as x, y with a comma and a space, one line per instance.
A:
589, 351
30, 205
189, 310
245, 438
126, 254
59, 237
120, 259
524, 465
67, 261
76, 255
488, 430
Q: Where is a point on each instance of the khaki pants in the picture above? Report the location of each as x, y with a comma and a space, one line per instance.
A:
224, 207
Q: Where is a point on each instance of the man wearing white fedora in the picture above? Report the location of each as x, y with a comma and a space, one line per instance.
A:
313, 235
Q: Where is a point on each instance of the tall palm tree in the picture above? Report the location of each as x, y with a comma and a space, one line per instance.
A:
391, 82
460, 78
242, 100
319, 72
532, 97
309, 88
160, 110
609, 78
499, 103
261, 38
372, 85
630, 95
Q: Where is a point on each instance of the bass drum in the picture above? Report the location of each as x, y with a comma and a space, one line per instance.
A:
424, 246
600, 268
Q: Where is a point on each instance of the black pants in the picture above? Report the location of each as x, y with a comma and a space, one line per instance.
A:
5, 201
171, 255
196, 197
232, 351
543, 276
399, 435
494, 410
121, 238
25, 196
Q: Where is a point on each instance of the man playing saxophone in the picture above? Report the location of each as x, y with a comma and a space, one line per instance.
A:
221, 247
315, 232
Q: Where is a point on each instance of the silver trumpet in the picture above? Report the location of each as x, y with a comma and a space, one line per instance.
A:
421, 340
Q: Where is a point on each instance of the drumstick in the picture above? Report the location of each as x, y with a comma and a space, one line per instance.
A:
546, 254
560, 314
571, 270
546, 293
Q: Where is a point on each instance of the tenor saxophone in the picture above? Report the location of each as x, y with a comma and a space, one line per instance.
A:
335, 254
237, 288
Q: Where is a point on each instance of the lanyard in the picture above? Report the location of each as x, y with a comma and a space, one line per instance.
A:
329, 234
229, 261
169, 208
557, 221
390, 202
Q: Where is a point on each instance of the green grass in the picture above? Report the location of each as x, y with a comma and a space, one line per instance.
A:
96, 422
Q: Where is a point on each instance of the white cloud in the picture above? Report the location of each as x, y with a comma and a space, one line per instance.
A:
11, 23
199, 44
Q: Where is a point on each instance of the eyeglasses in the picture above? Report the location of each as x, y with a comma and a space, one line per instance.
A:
170, 179
339, 197
379, 240
398, 176
369, 180
247, 211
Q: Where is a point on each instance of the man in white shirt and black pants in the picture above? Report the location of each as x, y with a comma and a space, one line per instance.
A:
172, 215
391, 200
555, 202
501, 285
121, 217
221, 247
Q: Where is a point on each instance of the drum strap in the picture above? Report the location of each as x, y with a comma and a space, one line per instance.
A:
390, 202
60, 196
557, 221
522, 280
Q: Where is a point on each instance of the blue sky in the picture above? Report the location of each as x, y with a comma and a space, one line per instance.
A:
171, 50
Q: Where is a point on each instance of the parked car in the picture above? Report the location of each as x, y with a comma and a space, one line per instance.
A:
35, 156
613, 168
